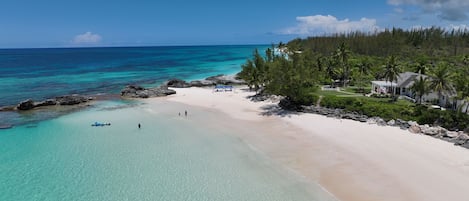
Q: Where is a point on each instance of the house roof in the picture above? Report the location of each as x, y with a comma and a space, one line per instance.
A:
407, 79
404, 80
384, 83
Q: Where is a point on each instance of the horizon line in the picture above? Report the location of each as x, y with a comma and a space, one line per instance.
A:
132, 46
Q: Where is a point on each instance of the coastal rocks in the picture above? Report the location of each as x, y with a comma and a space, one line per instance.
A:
177, 83
225, 80
289, 105
207, 82
381, 122
201, 83
334, 113
69, 100
459, 138
391, 122
26, 105
135, 91
60, 100
415, 129
48, 102
427, 130
451, 134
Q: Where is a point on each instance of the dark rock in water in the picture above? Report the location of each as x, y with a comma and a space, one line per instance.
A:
202, 83
26, 105
225, 79
160, 91
71, 99
133, 91
6, 126
177, 83
60, 100
47, 102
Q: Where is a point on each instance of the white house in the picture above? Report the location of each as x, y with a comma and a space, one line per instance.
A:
403, 88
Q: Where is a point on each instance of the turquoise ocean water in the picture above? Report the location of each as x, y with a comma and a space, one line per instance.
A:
46, 73
170, 158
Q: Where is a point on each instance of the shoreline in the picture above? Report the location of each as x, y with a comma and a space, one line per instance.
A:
351, 160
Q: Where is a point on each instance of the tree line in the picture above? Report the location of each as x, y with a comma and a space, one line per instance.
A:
297, 68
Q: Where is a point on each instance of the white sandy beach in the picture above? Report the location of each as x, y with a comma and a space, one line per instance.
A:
353, 161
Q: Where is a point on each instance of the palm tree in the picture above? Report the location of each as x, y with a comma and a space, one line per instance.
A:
342, 54
461, 83
441, 80
421, 66
364, 67
421, 88
391, 71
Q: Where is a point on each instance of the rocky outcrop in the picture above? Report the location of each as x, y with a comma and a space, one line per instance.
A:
48, 102
135, 91
202, 83
177, 83
60, 100
26, 105
415, 129
68, 100
207, 82
225, 79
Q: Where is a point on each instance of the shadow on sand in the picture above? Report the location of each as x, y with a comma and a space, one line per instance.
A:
275, 110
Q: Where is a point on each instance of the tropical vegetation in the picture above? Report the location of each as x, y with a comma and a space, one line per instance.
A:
297, 69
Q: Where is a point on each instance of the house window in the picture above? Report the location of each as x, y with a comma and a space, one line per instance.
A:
403, 90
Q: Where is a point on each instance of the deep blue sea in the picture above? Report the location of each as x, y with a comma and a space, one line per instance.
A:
46, 73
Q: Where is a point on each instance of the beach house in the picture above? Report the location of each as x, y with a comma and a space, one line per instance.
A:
403, 88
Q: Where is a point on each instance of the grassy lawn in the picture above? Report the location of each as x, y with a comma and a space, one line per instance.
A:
351, 92
329, 93
353, 89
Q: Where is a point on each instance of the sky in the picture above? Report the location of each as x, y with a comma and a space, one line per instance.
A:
84, 23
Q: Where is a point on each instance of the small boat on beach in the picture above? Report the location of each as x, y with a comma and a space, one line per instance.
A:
100, 124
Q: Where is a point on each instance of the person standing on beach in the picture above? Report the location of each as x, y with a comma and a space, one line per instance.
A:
139, 125
185, 113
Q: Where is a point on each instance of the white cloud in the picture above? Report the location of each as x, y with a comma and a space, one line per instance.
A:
87, 38
398, 10
451, 10
328, 24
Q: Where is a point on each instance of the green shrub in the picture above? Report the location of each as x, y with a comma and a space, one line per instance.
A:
306, 97
391, 110
369, 107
